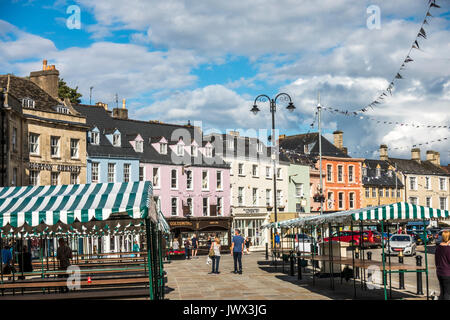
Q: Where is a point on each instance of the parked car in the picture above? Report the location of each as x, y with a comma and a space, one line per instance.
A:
369, 238
439, 236
419, 236
401, 243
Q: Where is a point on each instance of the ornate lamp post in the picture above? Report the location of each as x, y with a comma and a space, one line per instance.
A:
273, 108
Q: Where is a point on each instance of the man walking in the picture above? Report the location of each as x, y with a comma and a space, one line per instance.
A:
194, 246
237, 247
63, 254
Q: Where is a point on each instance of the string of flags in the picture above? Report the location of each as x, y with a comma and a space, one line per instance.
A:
398, 75
411, 125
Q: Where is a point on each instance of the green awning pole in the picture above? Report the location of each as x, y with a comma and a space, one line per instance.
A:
426, 256
384, 262
161, 265
147, 235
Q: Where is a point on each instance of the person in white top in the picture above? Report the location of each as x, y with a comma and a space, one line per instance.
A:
175, 245
215, 246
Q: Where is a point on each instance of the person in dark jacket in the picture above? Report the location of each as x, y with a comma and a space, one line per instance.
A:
25, 261
64, 254
442, 260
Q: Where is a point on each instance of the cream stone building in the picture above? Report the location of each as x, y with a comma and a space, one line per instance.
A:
252, 186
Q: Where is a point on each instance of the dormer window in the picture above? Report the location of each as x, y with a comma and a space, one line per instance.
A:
163, 148
208, 152
260, 147
364, 171
28, 103
116, 140
231, 144
180, 150
95, 138
378, 172
62, 109
194, 151
139, 146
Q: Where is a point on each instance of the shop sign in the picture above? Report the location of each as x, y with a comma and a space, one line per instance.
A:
252, 210
49, 167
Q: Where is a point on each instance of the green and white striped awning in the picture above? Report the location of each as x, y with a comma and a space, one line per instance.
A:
391, 212
162, 223
67, 203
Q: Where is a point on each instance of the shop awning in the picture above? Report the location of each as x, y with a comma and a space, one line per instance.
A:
162, 222
67, 203
399, 211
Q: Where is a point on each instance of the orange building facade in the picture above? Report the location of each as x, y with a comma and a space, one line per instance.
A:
342, 183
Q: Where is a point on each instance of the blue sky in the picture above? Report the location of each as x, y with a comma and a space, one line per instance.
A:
206, 61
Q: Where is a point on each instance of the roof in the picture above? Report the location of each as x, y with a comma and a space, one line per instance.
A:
415, 167
297, 143
150, 132
385, 179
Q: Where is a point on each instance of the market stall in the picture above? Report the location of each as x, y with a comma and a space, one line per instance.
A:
82, 214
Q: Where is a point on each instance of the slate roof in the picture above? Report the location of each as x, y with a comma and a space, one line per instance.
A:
384, 180
414, 167
296, 143
151, 132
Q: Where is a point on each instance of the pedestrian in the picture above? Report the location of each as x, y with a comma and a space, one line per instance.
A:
400, 230
215, 247
277, 240
135, 248
175, 245
25, 261
442, 260
187, 248
209, 241
194, 246
247, 245
7, 260
237, 247
63, 254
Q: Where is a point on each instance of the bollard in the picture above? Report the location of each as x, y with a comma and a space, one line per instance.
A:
369, 255
267, 251
401, 275
419, 275
291, 260
299, 267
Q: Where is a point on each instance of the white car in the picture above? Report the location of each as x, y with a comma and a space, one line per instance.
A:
402, 243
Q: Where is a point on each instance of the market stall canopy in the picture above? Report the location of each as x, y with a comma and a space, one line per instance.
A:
34, 205
399, 211
162, 223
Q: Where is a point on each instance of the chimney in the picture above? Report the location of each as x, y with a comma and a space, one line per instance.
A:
338, 139
415, 154
47, 79
234, 133
436, 159
281, 136
383, 152
121, 113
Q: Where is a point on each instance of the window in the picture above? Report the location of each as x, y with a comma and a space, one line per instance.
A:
330, 200
180, 150
428, 202
34, 178
94, 172
267, 172
34, 143
374, 192
351, 200
208, 152
174, 208
62, 109
141, 174
364, 171
329, 172
139, 146
219, 206
189, 205
398, 193
205, 207
442, 184
279, 198
155, 177
111, 172
254, 170
205, 180
413, 200
14, 177
28, 103
95, 138
163, 148
219, 180
427, 183
230, 143
126, 172
341, 200
241, 196
241, 169
189, 181
298, 190
174, 179
116, 140
278, 173
54, 178
260, 148
380, 191
54, 146
443, 203
340, 173
392, 193
367, 192
254, 196
350, 174
14, 139
412, 183
74, 148
194, 151
378, 172
74, 178
268, 197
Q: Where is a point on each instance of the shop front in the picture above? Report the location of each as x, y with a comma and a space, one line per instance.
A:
203, 227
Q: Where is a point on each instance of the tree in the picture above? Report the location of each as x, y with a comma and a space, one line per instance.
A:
64, 91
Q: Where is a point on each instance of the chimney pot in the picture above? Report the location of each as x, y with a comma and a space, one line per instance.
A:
383, 152
415, 154
338, 139
123, 104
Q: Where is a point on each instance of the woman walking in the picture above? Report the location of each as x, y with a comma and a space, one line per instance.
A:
442, 259
215, 246
247, 245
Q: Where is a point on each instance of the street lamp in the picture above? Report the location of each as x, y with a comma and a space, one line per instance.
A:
273, 108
